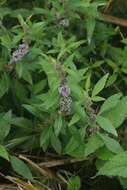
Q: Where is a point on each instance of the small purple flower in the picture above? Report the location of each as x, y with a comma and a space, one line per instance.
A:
65, 22
23, 48
64, 90
16, 55
20, 52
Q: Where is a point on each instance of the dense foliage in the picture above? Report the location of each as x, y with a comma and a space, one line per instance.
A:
62, 91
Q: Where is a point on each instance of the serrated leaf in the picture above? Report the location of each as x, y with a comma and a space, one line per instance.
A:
21, 122
4, 153
99, 85
27, 76
45, 135
118, 113
76, 89
71, 146
56, 144
93, 144
111, 143
74, 119
32, 109
78, 152
38, 87
106, 124
20, 167
110, 102
112, 79
116, 166
58, 125
103, 153
52, 74
78, 109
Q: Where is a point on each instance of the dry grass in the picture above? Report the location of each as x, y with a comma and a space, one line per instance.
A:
8, 187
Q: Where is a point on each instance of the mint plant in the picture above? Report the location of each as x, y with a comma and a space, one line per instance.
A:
60, 91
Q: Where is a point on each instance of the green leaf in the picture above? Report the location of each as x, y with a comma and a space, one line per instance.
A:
7, 117
76, 89
51, 99
111, 143
118, 113
32, 109
56, 144
4, 153
45, 135
93, 144
78, 109
38, 87
20, 167
103, 153
74, 119
19, 89
106, 124
111, 102
116, 166
74, 183
97, 64
4, 129
78, 152
19, 69
58, 125
97, 99
71, 145
112, 79
21, 122
88, 81
99, 85
90, 28
27, 76
3, 87
49, 68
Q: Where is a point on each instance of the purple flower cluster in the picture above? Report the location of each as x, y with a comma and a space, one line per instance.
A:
64, 22
64, 90
65, 101
20, 52
65, 104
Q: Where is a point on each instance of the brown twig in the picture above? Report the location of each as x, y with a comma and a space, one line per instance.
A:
54, 163
114, 20
19, 182
44, 172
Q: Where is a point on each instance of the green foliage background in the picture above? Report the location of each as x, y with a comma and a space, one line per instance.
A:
67, 41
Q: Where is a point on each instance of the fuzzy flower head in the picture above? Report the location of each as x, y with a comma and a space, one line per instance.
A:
20, 52
16, 55
65, 22
65, 104
23, 48
64, 90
